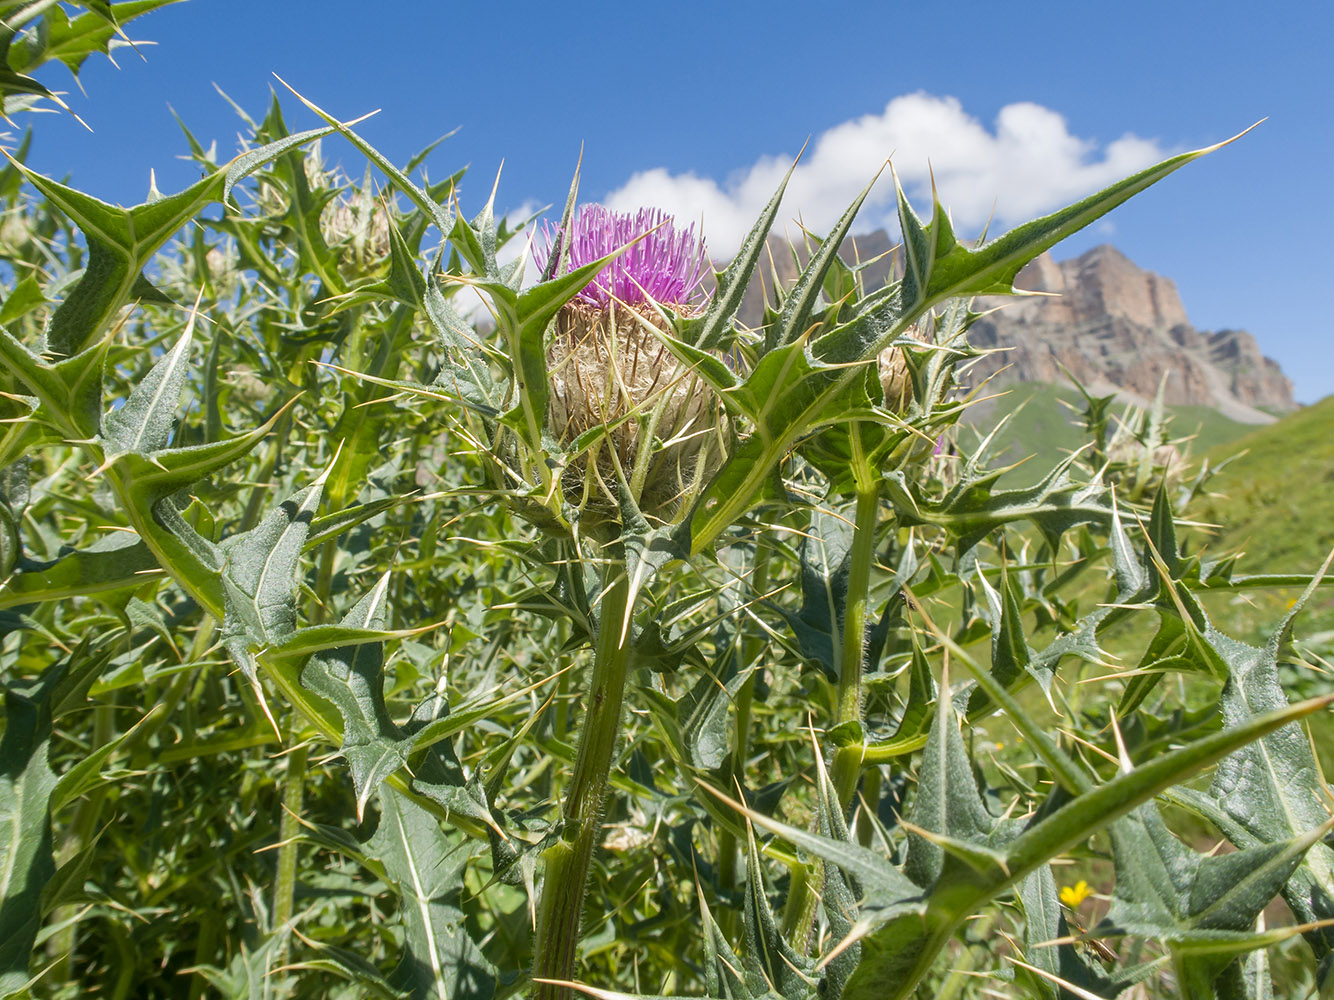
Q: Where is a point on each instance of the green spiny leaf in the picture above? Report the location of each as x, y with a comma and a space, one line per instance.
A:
352, 678
948, 804
425, 867
772, 966
114, 562
260, 572
710, 331
144, 422
799, 305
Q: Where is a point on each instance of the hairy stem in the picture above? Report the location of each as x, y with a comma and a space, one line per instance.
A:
254, 508
847, 763
753, 647
846, 768
864, 833
799, 910
81, 832
289, 829
567, 861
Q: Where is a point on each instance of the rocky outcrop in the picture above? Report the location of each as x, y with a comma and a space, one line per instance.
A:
1255, 379
1112, 325
1119, 328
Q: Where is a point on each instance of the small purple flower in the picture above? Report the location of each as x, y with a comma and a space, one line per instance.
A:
666, 266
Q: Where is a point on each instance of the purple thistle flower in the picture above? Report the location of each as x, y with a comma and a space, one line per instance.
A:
666, 266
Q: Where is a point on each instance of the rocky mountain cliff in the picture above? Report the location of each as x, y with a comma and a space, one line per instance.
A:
1114, 326
1117, 327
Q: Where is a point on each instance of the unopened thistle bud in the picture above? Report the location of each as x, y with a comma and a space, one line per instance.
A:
895, 378
609, 367
358, 232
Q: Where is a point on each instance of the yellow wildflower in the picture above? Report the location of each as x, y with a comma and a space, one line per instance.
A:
1073, 895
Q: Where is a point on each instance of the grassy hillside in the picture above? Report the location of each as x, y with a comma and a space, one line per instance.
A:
1043, 425
1276, 501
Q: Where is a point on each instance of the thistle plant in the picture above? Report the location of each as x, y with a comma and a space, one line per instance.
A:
352, 648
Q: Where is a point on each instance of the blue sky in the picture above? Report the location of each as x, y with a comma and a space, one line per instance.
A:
696, 104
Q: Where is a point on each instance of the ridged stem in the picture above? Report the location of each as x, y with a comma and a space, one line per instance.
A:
564, 885
80, 833
753, 647
847, 763
289, 829
865, 830
846, 768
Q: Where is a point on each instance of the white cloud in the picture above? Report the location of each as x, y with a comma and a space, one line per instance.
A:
1028, 164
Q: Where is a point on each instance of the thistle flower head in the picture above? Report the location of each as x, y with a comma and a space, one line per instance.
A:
610, 368
666, 266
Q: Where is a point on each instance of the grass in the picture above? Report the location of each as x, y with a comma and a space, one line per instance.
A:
1276, 495
1275, 499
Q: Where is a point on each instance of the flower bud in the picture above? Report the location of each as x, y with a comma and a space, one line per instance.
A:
895, 379
359, 232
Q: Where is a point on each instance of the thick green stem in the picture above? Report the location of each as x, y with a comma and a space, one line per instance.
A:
846, 767
802, 901
753, 647
289, 829
259, 494
567, 861
865, 832
82, 831
206, 946
848, 706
